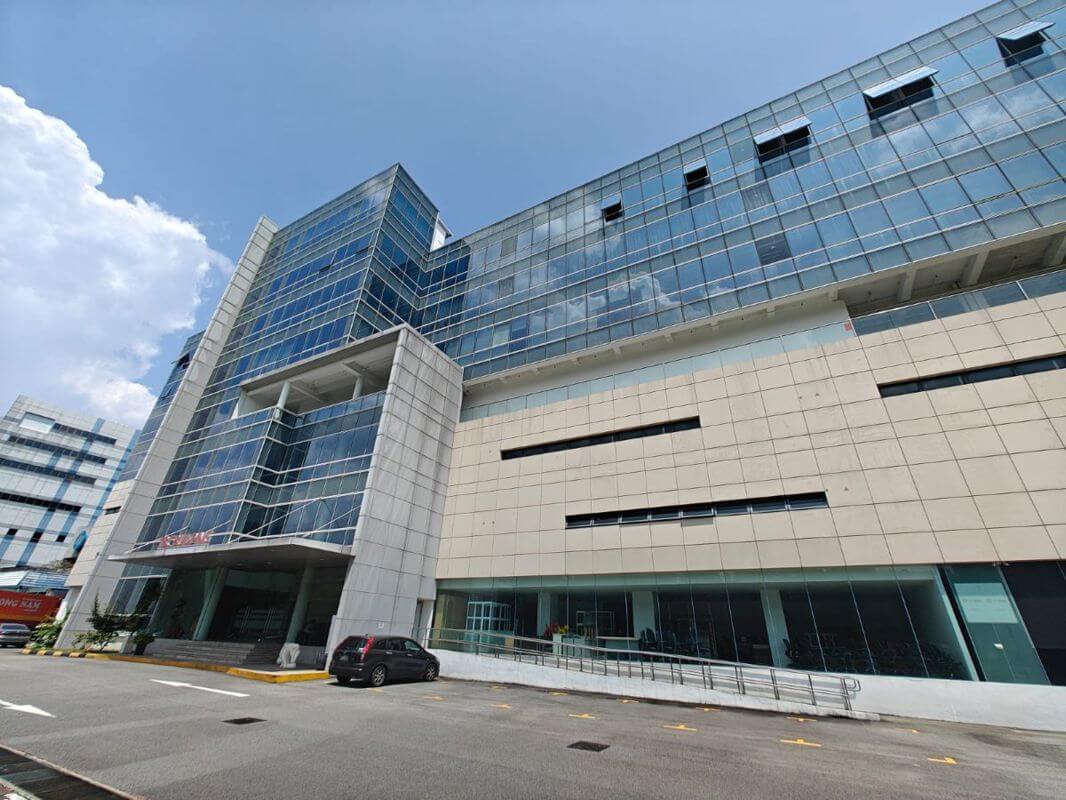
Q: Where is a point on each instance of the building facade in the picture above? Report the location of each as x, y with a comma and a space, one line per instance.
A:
56, 470
788, 392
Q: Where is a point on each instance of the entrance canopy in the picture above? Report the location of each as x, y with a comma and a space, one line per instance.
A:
276, 553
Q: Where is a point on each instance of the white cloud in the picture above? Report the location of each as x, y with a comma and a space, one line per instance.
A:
89, 284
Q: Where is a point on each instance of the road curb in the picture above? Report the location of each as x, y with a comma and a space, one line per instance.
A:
44, 651
204, 666
225, 669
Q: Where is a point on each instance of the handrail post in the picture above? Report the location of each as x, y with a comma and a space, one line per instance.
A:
773, 680
810, 682
740, 678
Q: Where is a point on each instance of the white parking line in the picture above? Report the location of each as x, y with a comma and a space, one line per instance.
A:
201, 688
25, 709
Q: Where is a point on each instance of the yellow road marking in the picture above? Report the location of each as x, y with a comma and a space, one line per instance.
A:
681, 727
944, 760
557, 694
496, 688
433, 697
501, 705
803, 742
910, 730
375, 689
627, 700
582, 716
708, 708
801, 719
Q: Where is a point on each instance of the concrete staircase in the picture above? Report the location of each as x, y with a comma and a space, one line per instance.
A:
236, 653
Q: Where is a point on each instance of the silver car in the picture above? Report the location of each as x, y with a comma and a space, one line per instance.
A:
14, 634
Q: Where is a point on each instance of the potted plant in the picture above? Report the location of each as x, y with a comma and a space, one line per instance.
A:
141, 640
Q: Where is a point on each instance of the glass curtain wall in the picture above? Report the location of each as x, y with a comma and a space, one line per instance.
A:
879, 621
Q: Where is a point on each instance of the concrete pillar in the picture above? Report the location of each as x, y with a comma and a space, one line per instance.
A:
544, 611
774, 614
299, 609
283, 398
358, 391
216, 581
644, 613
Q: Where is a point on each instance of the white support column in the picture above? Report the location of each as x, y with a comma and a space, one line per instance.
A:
283, 398
299, 609
906, 287
1055, 252
544, 611
974, 267
776, 629
358, 391
216, 581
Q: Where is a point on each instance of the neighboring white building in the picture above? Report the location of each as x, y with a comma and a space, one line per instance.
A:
57, 468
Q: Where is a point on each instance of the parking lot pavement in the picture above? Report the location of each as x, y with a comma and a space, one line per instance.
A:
169, 733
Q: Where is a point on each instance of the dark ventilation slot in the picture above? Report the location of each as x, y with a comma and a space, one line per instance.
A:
696, 176
791, 135
980, 375
611, 208
243, 720
592, 747
659, 429
896, 93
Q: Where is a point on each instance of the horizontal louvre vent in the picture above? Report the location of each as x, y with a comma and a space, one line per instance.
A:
757, 505
978, 375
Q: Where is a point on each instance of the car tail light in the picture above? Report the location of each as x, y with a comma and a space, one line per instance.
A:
362, 651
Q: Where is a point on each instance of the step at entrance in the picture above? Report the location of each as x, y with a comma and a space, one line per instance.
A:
219, 652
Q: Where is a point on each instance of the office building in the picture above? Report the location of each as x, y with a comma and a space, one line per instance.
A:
56, 470
790, 391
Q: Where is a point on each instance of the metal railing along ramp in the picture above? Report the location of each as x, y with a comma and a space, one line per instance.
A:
814, 688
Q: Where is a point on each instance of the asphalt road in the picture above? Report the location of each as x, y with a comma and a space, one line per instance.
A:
118, 724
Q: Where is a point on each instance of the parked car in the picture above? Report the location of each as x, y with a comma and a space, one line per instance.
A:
376, 659
14, 634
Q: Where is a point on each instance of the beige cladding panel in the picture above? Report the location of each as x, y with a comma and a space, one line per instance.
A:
969, 473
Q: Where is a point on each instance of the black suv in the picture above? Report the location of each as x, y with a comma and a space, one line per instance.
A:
375, 659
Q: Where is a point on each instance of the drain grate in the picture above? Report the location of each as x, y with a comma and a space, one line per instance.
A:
592, 747
243, 720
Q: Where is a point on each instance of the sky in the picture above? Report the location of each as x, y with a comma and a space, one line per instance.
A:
141, 141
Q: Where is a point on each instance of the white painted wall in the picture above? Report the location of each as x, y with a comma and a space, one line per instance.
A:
1011, 705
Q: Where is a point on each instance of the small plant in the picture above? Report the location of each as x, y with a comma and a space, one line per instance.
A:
105, 627
141, 640
47, 632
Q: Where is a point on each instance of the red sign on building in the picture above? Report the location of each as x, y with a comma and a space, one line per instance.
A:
27, 608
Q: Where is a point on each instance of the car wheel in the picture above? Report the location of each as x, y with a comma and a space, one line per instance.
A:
431, 672
377, 676
343, 680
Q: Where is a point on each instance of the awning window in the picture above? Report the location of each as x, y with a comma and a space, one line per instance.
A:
896, 93
794, 133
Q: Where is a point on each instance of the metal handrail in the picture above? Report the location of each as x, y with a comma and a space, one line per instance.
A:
781, 683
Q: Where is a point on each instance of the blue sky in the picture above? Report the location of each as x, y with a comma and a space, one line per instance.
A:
221, 111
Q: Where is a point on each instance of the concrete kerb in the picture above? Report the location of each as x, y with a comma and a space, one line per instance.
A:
264, 676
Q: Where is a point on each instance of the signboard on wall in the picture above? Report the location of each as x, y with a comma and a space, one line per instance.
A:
27, 608
985, 603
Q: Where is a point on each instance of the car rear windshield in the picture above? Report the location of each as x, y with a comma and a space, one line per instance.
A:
352, 643
13, 626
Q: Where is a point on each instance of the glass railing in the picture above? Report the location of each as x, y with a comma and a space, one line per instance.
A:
962, 303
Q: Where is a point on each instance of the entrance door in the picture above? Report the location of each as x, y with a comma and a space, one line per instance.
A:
254, 606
